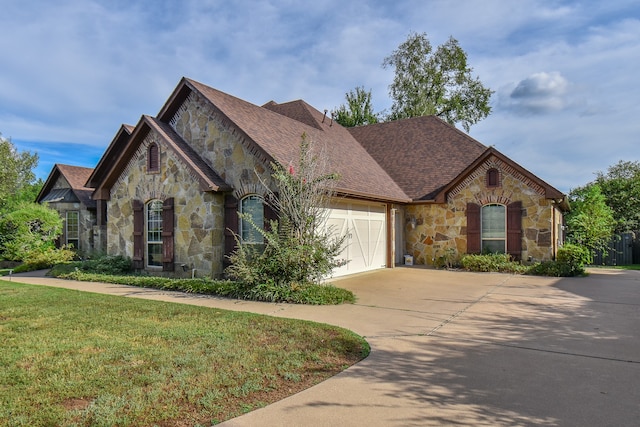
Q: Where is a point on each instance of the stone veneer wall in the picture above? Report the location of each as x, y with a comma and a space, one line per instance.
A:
441, 227
222, 146
198, 233
86, 219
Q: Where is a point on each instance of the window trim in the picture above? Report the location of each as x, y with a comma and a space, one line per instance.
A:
251, 233
153, 158
157, 232
77, 231
493, 178
482, 228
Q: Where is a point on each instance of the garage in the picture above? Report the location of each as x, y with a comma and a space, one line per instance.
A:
365, 227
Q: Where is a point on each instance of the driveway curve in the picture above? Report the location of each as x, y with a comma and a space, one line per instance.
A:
463, 349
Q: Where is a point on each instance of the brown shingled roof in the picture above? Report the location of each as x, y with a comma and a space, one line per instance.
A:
208, 179
278, 135
421, 154
76, 176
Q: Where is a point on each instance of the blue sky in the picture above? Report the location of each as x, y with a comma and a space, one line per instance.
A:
564, 72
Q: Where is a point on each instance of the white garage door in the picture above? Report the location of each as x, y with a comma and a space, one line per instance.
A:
366, 244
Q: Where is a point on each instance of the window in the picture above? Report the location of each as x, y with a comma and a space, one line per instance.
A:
72, 225
253, 207
493, 178
494, 229
154, 233
153, 158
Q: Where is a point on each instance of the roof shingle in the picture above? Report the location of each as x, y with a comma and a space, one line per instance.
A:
421, 154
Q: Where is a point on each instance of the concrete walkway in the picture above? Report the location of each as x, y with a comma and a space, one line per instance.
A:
466, 349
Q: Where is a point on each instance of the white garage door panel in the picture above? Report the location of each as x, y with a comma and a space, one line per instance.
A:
365, 226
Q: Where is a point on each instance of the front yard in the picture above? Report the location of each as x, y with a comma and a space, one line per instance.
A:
73, 358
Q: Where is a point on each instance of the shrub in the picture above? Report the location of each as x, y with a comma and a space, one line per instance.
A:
45, 258
574, 257
30, 228
317, 294
108, 264
449, 259
570, 262
298, 249
500, 263
549, 268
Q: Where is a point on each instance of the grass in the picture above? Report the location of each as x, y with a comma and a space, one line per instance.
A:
73, 358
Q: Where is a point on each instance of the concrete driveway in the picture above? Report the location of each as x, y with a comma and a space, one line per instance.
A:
457, 348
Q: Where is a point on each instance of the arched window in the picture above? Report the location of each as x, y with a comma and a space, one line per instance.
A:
153, 158
154, 233
493, 178
494, 228
253, 207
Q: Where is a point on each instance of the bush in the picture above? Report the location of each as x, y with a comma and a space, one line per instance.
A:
570, 262
108, 264
574, 257
284, 261
549, 268
47, 258
500, 263
311, 294
28, 229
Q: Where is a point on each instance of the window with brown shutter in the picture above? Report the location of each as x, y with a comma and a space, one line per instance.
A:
493, 178
514, 230
167, 235
473, 228
230, 226
138, 235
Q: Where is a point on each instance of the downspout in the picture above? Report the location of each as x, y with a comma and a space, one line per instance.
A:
391, 260
391, 236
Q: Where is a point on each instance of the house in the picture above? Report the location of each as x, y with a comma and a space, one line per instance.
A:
65, 191
168, 190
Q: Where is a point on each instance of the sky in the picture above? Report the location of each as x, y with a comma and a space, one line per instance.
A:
565, 73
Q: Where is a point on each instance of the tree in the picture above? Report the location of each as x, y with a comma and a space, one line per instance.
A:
439, 82
16, 172
358, 110
621, 189
591, 222
298, 249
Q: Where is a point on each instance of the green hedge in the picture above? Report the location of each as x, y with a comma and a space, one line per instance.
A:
570, 262
309, 294
500, 263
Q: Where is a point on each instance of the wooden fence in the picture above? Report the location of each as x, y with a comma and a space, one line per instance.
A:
623, 249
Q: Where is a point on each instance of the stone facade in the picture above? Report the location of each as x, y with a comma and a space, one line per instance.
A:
220, 145
198, 233
434, 230
199, 215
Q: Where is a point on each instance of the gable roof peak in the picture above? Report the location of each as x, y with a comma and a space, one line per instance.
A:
76, 177
298, 110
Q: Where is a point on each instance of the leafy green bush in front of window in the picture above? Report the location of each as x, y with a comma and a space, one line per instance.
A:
496, 262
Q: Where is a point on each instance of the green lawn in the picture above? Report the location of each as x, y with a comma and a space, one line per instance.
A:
74, 358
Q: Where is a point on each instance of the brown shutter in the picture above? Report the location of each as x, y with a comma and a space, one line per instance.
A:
230, 225
269, 215
167, 235
138, 235
514, 230
473, 228
153, 163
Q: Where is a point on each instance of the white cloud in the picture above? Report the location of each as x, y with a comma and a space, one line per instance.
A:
74, 70
539, 93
